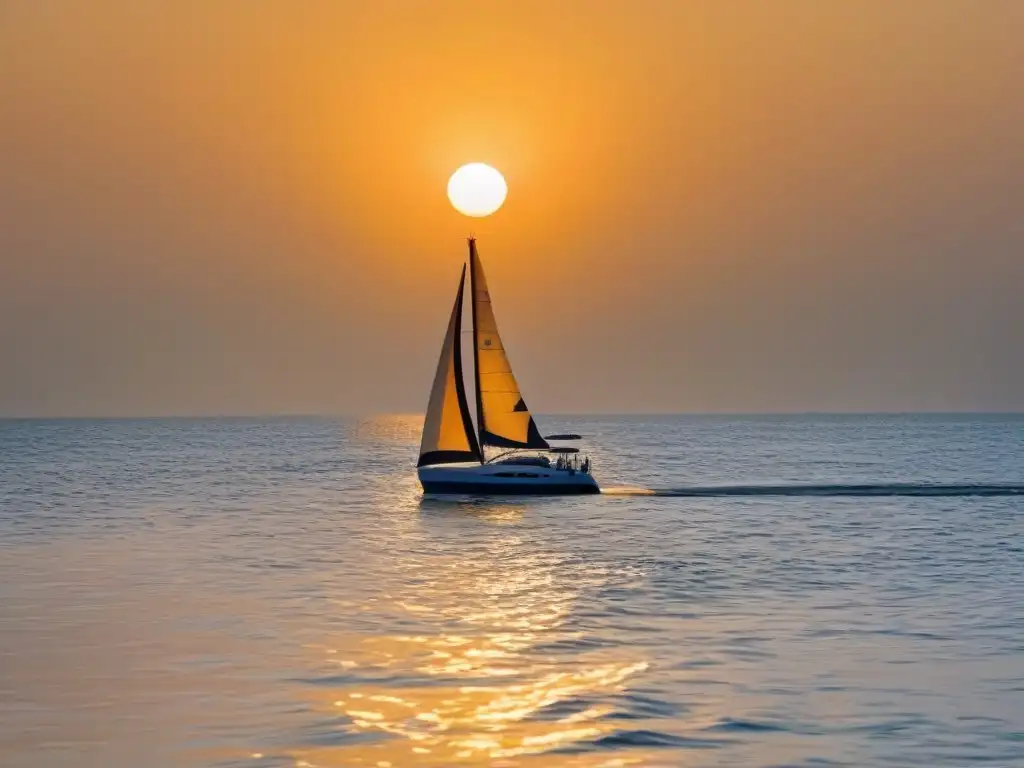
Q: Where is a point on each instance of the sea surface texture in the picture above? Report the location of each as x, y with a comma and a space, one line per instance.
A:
757, 591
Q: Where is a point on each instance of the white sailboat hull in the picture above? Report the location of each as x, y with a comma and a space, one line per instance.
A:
504, 479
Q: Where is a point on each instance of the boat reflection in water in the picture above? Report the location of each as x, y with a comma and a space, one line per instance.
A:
491, 672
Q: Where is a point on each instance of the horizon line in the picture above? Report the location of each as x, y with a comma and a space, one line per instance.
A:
550, 414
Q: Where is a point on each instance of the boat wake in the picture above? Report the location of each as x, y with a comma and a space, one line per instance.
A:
874, 489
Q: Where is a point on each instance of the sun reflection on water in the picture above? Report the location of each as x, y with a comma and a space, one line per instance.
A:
493, 673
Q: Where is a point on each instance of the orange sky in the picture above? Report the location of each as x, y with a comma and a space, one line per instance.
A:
239, 207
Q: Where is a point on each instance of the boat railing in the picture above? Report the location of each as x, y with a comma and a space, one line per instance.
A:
564, 461
572, 463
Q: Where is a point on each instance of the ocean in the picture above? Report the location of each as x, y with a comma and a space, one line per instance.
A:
752, 591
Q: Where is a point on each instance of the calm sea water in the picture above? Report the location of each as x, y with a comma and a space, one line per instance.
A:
264, 593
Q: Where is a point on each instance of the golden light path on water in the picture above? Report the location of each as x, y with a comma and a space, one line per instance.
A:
477, 688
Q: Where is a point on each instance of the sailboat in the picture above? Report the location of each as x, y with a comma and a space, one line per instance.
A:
453, 454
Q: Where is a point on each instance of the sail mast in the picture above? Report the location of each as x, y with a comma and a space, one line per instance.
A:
473, 268
460, 380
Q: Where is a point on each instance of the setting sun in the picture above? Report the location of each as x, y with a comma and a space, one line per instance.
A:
477, 189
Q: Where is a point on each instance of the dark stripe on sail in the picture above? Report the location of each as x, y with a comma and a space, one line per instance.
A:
533, 436
460, 385
448, 457
533, 439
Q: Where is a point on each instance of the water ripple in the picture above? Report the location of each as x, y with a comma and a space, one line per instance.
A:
803, 591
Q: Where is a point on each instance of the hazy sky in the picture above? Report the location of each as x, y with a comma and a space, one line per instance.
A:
231, 207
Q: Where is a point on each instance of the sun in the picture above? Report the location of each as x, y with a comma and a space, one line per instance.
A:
477, 189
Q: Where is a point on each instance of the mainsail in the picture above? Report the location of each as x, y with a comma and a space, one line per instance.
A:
448, 429
502, 415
